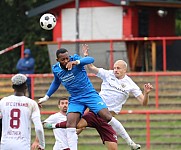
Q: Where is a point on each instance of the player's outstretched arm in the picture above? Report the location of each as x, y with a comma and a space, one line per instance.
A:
43, 99
91, 67
81, 125
144, 99
53, 87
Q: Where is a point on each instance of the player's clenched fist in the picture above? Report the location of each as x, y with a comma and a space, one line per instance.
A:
147, 88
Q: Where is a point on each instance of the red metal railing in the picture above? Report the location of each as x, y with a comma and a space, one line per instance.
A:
148, 113
156, 75
144, 112
153, 74
13, 47
111, 41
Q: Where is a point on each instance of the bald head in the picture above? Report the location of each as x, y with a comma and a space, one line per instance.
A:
120, 68
121, 63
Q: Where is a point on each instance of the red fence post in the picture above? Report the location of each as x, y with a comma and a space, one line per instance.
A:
59, 44
22, 49
148, 130
156, 91
32, 87
111, 55
164, 55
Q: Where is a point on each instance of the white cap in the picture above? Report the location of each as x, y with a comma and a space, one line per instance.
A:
18, 79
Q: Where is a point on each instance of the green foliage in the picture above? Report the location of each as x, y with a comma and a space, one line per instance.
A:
15, 27
40, 54
178, 22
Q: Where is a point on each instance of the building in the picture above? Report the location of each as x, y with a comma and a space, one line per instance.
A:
118, 29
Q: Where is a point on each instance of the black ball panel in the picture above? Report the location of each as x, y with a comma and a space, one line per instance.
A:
46, 18
49, 25
41, 23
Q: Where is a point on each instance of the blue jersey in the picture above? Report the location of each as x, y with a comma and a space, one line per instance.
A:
75, 81
77, 84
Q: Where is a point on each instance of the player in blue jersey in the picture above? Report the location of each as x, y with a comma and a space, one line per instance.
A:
70, 72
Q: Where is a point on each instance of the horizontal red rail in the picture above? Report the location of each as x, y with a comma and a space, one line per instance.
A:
150, 112
11, 47
112, 40
90, 74
154, 74
133, 112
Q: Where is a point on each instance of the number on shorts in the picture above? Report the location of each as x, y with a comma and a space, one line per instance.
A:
15, 118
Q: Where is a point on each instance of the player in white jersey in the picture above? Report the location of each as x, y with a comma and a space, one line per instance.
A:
60, 134
116, 87
17, 113
115, 91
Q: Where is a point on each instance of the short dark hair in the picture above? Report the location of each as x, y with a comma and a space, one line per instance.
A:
20, 87
61, 99
61, 50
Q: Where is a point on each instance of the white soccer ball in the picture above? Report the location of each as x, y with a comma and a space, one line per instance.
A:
48, 21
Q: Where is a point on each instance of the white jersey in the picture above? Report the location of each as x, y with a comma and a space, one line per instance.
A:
17, 113
115, 92
60, 134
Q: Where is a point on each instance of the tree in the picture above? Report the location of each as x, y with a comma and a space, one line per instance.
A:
15, 26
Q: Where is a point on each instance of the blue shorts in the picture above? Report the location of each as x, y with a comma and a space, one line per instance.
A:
92, 101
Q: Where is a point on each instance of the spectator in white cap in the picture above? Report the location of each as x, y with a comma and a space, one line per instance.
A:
17, 113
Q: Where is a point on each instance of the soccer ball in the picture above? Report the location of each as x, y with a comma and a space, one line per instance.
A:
48, 21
